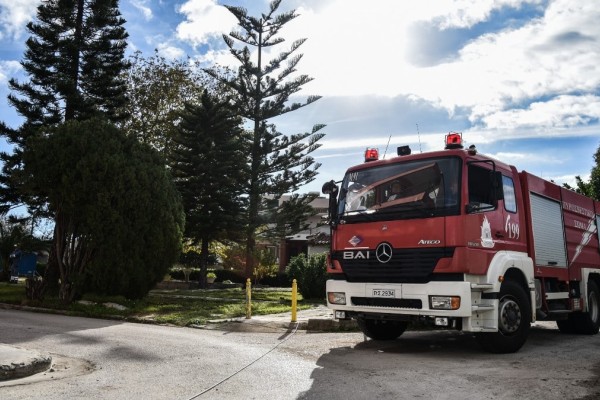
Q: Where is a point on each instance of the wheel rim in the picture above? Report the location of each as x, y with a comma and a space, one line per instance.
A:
509, 316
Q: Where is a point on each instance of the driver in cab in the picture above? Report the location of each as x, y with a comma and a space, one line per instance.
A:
394, 191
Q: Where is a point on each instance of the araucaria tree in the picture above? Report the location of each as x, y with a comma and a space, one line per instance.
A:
74, 58
279, 163
209, 165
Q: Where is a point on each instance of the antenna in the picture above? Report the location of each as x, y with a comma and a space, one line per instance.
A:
419, 136
386, 147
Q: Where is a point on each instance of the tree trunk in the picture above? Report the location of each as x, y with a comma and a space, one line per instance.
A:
203, 264
50, 282
255, 195
72, 98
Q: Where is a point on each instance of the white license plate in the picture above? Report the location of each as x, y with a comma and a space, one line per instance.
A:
384, 293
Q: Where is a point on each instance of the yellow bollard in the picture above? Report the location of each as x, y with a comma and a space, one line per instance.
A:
248, 299
294, 299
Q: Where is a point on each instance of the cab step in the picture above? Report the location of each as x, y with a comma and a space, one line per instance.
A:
482, 286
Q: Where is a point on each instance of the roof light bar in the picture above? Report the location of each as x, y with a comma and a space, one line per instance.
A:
371, 154
454, 140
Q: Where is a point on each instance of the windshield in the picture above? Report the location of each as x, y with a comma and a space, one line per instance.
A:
412, 189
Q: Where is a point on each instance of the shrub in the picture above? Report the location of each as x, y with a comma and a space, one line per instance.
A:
277, 280
234, 258
310, 274
179, 275
262, 272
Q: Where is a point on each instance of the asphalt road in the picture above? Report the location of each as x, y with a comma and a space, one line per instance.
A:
97, 359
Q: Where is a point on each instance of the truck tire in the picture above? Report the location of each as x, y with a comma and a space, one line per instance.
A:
584, 323
588, 323
567, 325
514, 321
382, 330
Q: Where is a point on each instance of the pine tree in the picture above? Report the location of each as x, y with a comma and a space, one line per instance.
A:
278, 163
209, 166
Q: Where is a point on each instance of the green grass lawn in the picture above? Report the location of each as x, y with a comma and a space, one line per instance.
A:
177, 307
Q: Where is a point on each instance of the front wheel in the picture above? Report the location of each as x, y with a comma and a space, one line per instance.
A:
514, 321
382, 330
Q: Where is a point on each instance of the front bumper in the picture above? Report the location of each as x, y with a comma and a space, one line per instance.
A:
410, 301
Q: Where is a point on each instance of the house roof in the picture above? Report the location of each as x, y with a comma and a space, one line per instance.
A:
319, 238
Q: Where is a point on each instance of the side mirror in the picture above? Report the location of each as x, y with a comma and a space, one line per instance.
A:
329, 188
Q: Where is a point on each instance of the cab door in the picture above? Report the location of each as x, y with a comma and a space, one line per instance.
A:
486, 214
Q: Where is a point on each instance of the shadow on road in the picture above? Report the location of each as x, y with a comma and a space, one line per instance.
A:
451, 365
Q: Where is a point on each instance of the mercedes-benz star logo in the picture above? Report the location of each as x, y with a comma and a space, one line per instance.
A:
383, 252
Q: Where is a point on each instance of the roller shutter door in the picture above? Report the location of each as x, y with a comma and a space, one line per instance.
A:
548, 232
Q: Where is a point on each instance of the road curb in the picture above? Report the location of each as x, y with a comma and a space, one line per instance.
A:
23, 363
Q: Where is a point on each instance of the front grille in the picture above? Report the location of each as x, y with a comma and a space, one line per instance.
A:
378, 302
405, 266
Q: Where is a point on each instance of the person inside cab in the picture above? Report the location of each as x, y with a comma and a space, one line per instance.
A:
394, 191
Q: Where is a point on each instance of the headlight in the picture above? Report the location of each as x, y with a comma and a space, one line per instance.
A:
336, 297
444, 302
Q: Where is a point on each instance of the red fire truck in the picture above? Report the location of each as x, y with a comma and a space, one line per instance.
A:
463, 241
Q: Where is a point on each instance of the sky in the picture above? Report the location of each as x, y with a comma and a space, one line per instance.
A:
519, 78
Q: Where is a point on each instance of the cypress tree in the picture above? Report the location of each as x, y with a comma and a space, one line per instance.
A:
118, 217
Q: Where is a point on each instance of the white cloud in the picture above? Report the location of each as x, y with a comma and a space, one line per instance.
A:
14, 15
216, 57
570, 179
170, 52
561, 112
144, 8
204, 19
512, 66
8, 69
514, 158
529, 80
354, 53
465, 13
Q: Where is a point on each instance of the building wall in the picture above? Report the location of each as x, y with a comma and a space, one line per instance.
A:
299, 243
